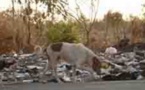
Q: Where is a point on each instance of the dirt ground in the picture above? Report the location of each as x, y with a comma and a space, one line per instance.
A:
101, 85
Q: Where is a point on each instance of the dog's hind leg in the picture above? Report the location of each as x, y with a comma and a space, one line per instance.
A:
74, 79
1, 81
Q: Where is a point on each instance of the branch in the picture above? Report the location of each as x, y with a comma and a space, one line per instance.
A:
94, 18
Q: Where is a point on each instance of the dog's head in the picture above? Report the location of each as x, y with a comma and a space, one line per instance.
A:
55, 47
96, 65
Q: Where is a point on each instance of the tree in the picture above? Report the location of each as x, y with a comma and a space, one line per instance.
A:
59, 8
38, 19
114, 21
143, 22
136, 29
86, 24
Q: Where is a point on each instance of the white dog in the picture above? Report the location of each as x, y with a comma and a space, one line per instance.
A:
77, 55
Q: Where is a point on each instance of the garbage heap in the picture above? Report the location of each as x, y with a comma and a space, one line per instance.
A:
31, 68
125, 65
27, 69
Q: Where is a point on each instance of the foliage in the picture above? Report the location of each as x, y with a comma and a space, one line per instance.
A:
85, 23
113, 18
63, 32
136, 29
20, 29
114, 24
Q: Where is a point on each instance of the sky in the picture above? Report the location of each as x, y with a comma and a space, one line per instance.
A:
126, 7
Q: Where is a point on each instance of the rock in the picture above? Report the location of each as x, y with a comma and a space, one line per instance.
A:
132, 63
34, 66
27, 81
65, 78
109, 77
140, 53
143, 73
142, 64
53, 80
105, 71
140, 77
123, 76
111, 50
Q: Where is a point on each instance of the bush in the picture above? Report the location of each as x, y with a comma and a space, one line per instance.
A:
63, 32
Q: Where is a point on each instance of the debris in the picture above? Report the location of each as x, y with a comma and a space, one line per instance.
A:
29, 68
111, 50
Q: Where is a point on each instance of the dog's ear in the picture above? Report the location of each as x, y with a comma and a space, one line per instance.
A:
96, 65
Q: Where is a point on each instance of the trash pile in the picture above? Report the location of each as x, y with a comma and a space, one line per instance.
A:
27, 69
115, 66
123, 66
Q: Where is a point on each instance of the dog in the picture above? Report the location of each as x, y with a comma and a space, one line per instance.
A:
78, 55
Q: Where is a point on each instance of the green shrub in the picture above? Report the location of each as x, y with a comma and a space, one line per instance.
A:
63, 32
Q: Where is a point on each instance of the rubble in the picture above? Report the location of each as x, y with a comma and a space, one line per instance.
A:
28, 67
123, 66
111, 50
130, 62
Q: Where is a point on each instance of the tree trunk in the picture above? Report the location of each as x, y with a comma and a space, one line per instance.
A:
87, 38
29, 32
14, 37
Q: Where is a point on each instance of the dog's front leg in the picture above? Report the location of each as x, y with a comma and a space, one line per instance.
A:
55, 75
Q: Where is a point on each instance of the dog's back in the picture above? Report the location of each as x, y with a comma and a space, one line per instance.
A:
70, 52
